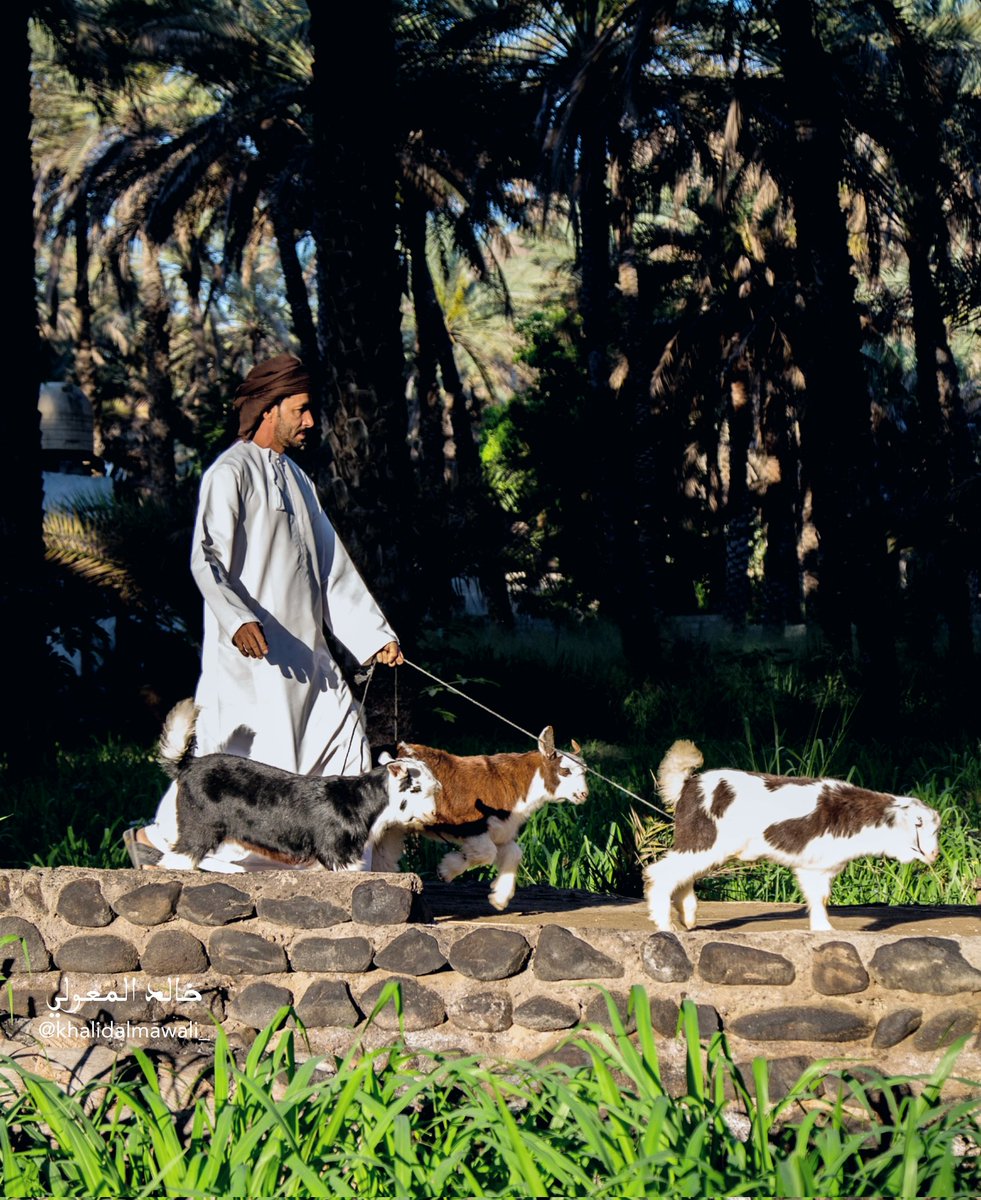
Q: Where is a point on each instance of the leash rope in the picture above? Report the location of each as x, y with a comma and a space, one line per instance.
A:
395, 706
534, 737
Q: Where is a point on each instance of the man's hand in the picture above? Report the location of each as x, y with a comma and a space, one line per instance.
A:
390, 655
250, 641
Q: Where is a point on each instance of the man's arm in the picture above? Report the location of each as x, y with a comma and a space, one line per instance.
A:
212, 555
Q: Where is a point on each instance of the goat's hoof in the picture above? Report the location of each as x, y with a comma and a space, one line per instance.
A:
499, 904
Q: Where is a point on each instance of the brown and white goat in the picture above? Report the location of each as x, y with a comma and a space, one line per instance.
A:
813, 826
484, 802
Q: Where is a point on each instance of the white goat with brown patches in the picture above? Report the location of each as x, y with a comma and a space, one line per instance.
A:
484, 802
813, 826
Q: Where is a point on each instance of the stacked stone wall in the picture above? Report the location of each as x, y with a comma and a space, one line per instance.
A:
112, 958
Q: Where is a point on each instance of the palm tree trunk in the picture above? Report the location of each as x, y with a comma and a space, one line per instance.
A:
940, 408
857, 580
945, 432
160, 427
433, 467
85, 375
445, 411
297, 296
358, 294
738, 517
781, 507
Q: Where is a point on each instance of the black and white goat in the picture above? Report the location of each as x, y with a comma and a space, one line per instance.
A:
813, 826
484, 802
295, 818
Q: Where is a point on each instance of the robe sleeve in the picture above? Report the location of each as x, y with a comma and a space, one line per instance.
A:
350, 609
213, 549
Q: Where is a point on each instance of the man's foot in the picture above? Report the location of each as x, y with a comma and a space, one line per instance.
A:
142, 855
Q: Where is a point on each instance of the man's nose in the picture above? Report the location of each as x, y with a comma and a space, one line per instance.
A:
307, 420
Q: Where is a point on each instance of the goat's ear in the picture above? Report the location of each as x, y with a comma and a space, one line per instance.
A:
546, 742
576, 748
396, 768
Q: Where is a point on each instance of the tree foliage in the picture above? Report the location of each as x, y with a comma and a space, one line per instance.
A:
754, 392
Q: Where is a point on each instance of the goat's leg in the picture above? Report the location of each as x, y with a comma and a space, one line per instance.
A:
386, 852
477, 851
816, 886
686, 903
196, 838
673, 875
508, 858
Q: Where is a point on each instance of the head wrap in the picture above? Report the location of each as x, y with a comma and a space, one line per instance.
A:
265, 385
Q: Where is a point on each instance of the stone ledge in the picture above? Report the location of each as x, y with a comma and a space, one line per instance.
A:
135, 951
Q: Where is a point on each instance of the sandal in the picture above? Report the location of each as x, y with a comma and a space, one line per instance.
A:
141, 854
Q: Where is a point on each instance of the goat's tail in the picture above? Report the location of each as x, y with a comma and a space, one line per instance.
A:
176, 746
681, 760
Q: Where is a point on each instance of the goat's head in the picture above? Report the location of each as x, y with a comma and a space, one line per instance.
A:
914, 829
565, 774
413, 793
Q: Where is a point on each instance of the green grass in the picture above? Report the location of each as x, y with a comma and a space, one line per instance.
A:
396, 1122
73, 811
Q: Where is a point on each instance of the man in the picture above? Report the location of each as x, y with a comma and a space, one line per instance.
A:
272, 572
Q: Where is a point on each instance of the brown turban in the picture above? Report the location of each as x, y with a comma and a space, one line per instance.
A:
265, 385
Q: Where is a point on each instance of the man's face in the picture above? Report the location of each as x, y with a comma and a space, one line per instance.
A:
289, 421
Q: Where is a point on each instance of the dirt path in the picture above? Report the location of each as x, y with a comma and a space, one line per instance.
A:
535, 906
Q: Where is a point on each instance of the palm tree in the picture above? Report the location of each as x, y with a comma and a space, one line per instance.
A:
921, 113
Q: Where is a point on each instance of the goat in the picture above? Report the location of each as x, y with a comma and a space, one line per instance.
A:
813, 826
290, 817
484, 802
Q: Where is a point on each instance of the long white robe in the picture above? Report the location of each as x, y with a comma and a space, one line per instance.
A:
264, 550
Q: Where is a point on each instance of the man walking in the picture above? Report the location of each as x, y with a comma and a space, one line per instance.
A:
273, 573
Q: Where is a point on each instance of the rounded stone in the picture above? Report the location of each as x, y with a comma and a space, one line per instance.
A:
837, 970
97, 953
802, 1024
545, 1014
26, 951
351, 955
728, 963
422, 1008
151, 904
174, 952
489, 954
258, 1003
663, 958
81, 902
598, 1011
411, 953
944, 1028
561, 955
328, 1003
782, 1076
214, 904
379, 903
30, 997
928, 965
896, 1026
300, 912
235, 952
664, 1016
483, 1012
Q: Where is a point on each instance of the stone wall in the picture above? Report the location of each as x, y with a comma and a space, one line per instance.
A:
161, 958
